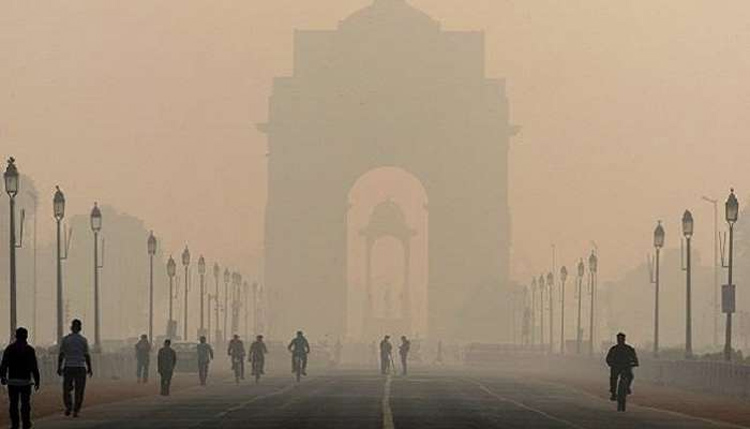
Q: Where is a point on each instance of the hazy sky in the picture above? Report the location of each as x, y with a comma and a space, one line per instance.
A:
630, 112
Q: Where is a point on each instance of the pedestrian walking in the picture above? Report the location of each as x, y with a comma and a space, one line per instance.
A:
165, 363
18, 368
205, 355
403, 351
142, 357
385, 354
74, 364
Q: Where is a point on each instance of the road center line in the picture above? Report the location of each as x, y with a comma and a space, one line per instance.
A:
387, 413
255, 399
525, 407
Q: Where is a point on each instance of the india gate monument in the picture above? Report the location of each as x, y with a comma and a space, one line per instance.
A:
388, 100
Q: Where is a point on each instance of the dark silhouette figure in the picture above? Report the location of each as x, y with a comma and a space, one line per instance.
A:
205, 355
18, 367
236, 352
142, 357
74, 363
300, 348
337, 348
621, 360
403, 351
257, 355
166, 360
385, 354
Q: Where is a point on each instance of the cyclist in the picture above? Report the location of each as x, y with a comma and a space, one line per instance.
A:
621, 360
236, 351
300, 348
257, 354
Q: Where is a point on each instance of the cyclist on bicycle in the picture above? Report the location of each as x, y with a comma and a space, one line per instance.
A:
621, 360
257, 354
236, 351
300, 348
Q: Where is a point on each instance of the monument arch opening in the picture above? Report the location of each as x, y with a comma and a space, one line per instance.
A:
387, 226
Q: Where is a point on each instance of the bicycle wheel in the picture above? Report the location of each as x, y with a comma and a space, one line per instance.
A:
622, 393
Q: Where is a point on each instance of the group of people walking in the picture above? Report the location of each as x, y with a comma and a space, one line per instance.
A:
167, 359
386, 354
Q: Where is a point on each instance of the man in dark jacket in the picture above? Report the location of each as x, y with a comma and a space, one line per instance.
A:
621, 360
166, 361
18, 367
142, 356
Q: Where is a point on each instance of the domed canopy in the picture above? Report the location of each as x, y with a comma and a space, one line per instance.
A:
388, 13
387, 218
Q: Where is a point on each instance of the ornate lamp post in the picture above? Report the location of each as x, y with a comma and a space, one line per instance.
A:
731, 208
593, 264
227, 277
186, 264
687, 231
202, 273
217, 272
658, 244
563, 277
151, 252
96, 227
11, 188
579, 330
550, 286
171, 323
58, 208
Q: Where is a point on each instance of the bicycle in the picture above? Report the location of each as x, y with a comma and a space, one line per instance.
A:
237, 368
297, 366
623, 384
257, 370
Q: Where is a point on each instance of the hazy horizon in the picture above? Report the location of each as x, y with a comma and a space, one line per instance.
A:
629, 114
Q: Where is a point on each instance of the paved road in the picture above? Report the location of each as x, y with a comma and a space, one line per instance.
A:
358, 400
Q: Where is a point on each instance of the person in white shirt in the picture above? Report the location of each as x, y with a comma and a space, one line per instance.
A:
73, 364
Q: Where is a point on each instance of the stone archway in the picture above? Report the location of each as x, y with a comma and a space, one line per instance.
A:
388, 87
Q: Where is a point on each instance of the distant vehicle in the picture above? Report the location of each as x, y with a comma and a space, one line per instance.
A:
187, 357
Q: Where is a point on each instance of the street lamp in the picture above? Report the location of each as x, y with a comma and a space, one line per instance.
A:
217, 272
202, 273
151, 252
246, 312
715, 203
687, 231
171, 323
533, 311
550, 284
255, 308
58, 210
186, 264
541, 310
654, 272
227, 277
593, 266
579, 331
96, 227
11, 188
731, 208
563, 277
